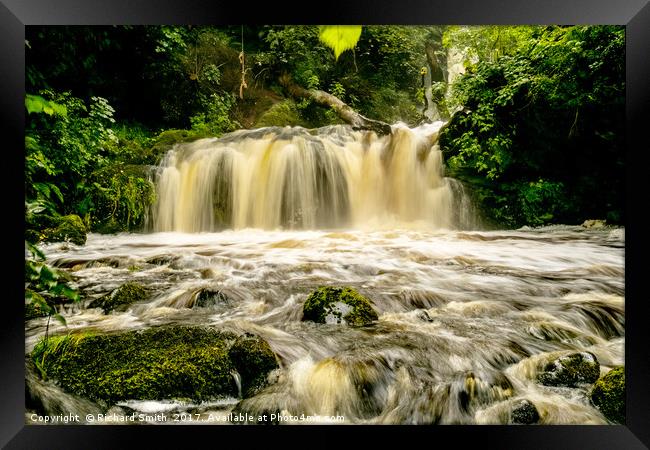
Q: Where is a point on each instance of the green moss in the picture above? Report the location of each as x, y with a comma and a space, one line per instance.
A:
168, 138
608, 395
571, 370
126, 294
253, 359
281, 114
65, 228
338, 305
158, 363
34, 310
524, 412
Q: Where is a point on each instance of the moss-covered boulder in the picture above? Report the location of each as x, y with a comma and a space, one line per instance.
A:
65, 229
571, 370
120, 298
608, 394
338, 305
524, 412
153, 364
253, 359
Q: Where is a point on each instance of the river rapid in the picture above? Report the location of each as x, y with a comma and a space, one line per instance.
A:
467, 319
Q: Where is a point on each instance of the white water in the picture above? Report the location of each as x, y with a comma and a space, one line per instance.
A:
462, 315
296, 178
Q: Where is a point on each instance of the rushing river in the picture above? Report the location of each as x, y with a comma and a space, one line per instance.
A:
466, 318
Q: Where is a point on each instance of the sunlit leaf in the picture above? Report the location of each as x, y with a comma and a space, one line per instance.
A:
340, 37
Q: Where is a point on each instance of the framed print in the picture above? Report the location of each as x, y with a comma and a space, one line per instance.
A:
425, 220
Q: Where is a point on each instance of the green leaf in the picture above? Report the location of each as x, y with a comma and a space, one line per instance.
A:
340, 37
61, 319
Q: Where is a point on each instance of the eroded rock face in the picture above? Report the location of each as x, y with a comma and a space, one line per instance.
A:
338, 305
608, 394
158, 363
571, 370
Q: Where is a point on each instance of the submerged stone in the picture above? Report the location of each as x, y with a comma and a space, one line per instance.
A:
206, 298
338, 305
524, 412
608, 394
571, 370
65, 229
158, 363
120, 298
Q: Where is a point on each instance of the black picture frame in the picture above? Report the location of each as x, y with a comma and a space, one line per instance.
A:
634, 14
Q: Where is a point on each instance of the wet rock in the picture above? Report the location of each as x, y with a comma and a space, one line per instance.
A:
65, 229
158, 363
571, 370
207, 298
594, 223
120, 298
608, 395
524, 413
253, 359
473, 390
338, 305
424, 316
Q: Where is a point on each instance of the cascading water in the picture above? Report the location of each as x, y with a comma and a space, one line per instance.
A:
467, 319
331, 177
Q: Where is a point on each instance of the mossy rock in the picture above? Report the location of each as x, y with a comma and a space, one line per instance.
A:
154, 364
281, 114
608, 394
65, 229
571, 370
33, 311
253, 359
120, 298
524, 412
168, 138
338, 305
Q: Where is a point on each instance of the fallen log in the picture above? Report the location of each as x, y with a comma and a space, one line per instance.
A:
343, 110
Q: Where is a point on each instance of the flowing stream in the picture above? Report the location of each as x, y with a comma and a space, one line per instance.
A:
467, 318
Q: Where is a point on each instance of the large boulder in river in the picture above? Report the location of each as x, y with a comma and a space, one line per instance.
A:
571, 370
608, 394
338, 305
175, 362
120, 298
65, 229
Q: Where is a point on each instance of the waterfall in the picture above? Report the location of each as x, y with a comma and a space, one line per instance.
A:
330, 177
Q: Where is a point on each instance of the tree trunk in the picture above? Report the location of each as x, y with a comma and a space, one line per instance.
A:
344, 111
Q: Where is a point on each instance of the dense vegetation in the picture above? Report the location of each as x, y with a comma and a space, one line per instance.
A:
538, 138
542, 135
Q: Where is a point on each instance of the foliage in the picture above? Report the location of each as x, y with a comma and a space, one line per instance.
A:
340, 37
45, 285
538, 124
